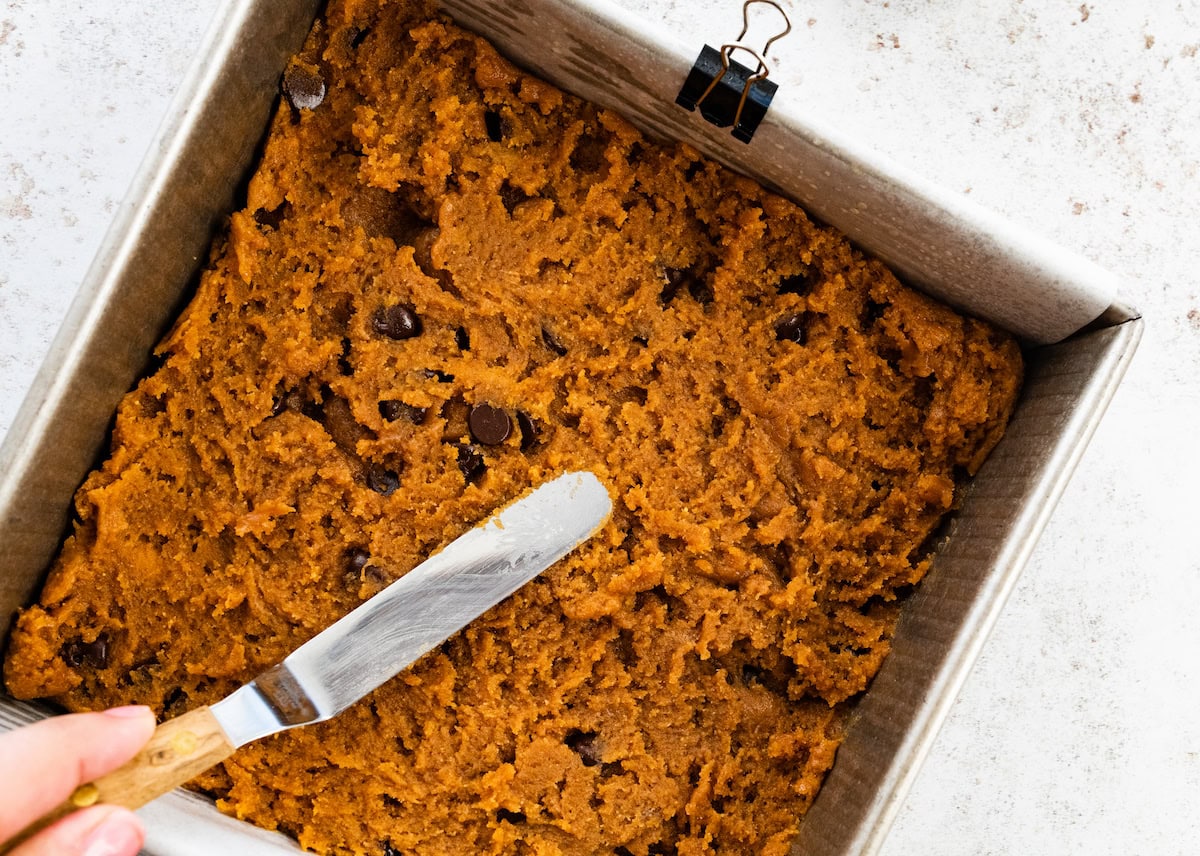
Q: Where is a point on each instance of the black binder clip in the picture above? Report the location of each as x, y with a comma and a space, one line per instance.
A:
727, 92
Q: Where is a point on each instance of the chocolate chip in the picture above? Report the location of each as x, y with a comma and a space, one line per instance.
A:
389, 850
376, 575
72, 654
96, 652
530, 432
356, 560
271, 219
489, 425
382, 480
585, 744
462, 339
359, 570
396, 322
391, 410
551, 341
79, 653
495, 130
304, 88
470, 461
792, 328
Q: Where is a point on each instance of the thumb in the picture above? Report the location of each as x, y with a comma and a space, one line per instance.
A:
96, 831
41, 764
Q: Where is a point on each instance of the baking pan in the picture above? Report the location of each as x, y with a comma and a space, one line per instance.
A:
1078, 341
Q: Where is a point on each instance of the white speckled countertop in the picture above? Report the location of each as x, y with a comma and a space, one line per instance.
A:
1078, 732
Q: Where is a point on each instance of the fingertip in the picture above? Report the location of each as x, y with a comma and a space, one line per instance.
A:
140, 714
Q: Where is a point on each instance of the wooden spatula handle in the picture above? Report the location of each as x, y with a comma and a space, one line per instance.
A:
181, 749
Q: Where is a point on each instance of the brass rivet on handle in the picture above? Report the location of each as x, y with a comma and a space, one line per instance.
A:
85, 795
185, 743
179, 746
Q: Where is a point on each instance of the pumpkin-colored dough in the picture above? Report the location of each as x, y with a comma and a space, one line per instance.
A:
780, 422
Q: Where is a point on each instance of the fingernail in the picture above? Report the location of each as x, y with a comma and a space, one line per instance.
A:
116, 835
129, 711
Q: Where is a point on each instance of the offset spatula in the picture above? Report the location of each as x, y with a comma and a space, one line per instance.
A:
364, 649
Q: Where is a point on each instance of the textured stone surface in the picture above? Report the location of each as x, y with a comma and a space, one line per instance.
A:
1077, 731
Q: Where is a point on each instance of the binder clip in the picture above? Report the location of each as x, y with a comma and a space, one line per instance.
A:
727, 92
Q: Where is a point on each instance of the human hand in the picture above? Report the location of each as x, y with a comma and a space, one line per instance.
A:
42, 764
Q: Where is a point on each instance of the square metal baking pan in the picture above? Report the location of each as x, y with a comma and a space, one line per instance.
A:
1078, 342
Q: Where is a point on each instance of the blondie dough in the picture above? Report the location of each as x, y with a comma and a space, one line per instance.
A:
450, 283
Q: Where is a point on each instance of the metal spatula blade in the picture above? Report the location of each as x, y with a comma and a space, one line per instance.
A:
419, 611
